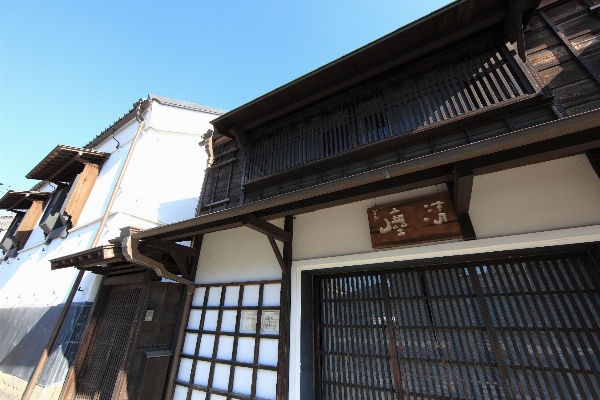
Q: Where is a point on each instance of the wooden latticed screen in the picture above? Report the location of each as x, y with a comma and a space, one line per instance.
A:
448, 90
97, 379
509, 329
231, 344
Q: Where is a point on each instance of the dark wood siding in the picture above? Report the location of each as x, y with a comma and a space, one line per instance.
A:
426, 108
563, 45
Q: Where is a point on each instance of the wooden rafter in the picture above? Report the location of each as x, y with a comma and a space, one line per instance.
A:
170, 247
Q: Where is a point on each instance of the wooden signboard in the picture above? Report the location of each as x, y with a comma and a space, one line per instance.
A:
427, 219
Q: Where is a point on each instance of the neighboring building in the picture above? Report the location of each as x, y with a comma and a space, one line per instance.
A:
436, 193
63, 214
5, 221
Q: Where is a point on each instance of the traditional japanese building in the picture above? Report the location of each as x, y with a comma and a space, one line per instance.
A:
417, 219
83, 197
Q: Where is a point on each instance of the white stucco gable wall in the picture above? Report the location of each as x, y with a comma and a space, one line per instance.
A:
165, 175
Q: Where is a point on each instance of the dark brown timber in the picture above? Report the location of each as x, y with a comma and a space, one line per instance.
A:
284, 315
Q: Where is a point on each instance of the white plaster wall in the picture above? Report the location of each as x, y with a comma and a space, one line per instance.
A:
557, 194
344, 229
173, 119
237, 255
164, 178
107, 177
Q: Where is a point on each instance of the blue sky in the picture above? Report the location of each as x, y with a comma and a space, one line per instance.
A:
68, 69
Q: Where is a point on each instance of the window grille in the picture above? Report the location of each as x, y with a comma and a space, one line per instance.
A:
461, 86
231, 344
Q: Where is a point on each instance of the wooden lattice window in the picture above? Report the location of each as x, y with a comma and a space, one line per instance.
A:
444, 91
231, 344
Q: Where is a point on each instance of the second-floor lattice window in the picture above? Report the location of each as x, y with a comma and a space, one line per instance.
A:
436, 94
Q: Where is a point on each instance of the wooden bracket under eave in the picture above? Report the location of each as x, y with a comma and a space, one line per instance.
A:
240, 137
267, 228
463, 186
179, 253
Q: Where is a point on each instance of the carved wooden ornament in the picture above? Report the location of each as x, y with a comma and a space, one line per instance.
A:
422, 220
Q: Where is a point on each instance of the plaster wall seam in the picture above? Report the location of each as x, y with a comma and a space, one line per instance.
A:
552, 238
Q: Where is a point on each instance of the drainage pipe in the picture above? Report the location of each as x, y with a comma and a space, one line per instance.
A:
61, 318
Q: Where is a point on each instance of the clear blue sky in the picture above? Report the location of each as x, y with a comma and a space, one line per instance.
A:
68, 69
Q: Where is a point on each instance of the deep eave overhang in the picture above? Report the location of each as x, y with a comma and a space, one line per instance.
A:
63, 163
271, 207
420, 38
21, 200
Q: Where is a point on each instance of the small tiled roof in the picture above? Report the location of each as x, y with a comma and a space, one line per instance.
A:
21, 200
61, 164
90, 258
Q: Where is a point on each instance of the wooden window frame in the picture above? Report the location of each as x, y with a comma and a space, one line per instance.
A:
236, 334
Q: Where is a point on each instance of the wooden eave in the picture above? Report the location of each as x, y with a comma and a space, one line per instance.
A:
551, 140
63, 163
424, 37
88, 259
21, 200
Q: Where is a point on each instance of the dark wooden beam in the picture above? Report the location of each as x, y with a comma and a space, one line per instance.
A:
463, 186
267, 228
169, 247
513, 27
241, 137
277, 253
209, 227
593, 157
283, 357
181, 262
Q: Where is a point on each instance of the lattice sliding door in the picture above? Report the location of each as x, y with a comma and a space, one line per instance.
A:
508, 329
231, 344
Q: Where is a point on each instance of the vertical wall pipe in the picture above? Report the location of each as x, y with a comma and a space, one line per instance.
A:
61, 318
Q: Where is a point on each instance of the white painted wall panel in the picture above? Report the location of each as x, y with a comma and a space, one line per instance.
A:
164, 178
237, 255
557, 194
172, 119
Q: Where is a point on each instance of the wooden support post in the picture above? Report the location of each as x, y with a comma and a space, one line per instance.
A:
183, 320
283, 364
463, 186
513, 27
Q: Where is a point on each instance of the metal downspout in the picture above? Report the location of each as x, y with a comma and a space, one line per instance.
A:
61, 318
